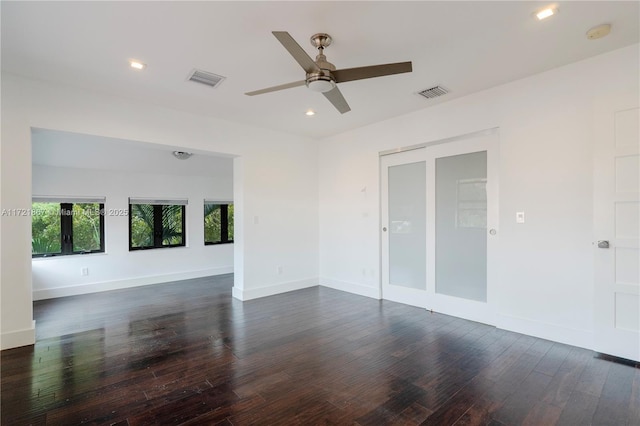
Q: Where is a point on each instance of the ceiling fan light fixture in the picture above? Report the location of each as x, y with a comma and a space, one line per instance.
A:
320, 83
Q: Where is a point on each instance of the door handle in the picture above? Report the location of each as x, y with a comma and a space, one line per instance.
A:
384, 229
603, 244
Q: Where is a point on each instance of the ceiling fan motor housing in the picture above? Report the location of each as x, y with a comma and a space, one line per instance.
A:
322, 81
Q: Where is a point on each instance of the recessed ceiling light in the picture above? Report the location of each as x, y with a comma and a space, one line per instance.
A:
137, 64
310, 112
545, 13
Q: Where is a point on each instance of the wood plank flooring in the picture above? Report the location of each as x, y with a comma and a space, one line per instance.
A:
187, 353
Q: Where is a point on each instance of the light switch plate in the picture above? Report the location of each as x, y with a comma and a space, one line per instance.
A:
519, 217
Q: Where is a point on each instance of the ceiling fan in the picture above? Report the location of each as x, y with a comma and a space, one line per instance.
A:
322, 76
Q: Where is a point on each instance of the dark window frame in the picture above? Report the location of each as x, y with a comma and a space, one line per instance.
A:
224, 225
66, 231
157, 228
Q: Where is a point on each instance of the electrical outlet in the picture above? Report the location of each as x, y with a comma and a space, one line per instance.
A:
84, 271
280, 270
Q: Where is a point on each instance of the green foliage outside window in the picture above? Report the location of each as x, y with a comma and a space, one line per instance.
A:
218, 223
155, 226
66, 228
172, 221
45, 228
141, 225
86, 227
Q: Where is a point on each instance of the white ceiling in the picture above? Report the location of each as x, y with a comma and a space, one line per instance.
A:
64, 149
463, 46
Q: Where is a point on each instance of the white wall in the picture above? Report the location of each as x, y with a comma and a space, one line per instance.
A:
118, 267
545, 281
275, 180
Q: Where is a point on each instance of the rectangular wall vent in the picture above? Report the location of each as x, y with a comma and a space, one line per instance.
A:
433, 92
204, 77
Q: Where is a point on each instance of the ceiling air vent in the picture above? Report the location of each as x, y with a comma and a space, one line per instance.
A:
204, 77
433, 92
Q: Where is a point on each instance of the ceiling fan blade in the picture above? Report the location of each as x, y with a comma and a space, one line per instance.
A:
360, 73
276, 88
296, 51
335, 97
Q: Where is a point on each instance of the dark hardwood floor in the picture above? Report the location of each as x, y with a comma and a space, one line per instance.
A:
187, 353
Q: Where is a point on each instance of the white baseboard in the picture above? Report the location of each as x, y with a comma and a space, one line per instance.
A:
553, 332
15, 339
236, 293
373, 292
51, 293
557, 333
255, 293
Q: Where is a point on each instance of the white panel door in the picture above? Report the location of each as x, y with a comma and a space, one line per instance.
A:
403, 214
617, 229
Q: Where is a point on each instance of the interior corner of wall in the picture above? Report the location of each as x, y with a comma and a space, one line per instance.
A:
351, 287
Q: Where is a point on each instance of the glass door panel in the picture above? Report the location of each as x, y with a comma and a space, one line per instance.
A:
407, 206
461, 226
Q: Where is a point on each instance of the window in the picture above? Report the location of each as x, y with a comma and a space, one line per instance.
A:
218, 222
66, 226
156, 223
